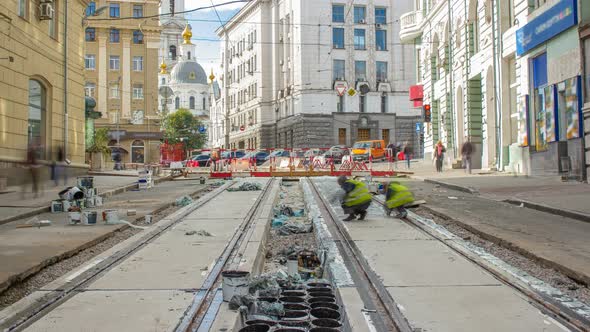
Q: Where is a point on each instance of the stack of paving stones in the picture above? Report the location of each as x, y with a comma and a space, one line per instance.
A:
311, 307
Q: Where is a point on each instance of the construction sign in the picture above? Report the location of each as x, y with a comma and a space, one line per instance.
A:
340, 89
351, 92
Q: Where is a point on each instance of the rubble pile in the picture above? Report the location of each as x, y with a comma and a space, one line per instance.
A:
247, 186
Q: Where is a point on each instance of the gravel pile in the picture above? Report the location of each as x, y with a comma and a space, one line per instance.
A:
548, 275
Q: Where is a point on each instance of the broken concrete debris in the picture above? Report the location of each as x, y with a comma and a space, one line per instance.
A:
247, 186
183, 201
199, 232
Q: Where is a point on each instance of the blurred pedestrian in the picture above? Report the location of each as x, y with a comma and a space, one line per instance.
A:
439, 156
117, 159
408, 153
466, 152
59, 168
396, 197
34, 169
356, 199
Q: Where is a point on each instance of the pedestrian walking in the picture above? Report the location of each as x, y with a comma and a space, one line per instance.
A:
356, 199
466, 152
439, 156
59, 168
397, 196
117, 159
408, 153
34, 169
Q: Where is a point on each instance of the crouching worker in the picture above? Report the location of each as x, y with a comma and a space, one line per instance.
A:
356, 200
396, 197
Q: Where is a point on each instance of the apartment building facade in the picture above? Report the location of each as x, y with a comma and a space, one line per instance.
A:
121, 63
490, 80
315, 74
38, 107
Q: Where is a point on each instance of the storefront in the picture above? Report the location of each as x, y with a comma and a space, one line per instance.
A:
550, 121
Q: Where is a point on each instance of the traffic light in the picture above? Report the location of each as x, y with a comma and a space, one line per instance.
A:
426, 112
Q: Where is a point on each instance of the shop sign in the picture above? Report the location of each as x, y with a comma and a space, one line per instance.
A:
555, 20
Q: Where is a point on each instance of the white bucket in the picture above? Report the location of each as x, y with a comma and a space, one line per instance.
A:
74, 217
97, 201
148, 218
90, 202
292, 267
67, 205
234, 283
110, 216
89, 218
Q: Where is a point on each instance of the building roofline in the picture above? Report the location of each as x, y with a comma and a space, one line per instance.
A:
231, 22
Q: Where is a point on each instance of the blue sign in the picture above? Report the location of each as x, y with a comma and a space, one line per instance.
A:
202, 129
418, 127
555, 20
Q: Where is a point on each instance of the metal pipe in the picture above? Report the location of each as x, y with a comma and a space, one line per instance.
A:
65, 50
497, 96
452, 81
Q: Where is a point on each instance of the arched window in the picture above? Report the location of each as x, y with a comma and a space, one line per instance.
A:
204, 104
37, 116
191, 102
163, 80
189, 55
173, 52
177, 103
137, 152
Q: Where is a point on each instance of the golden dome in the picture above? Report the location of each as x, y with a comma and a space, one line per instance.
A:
187, 34
211, 77
163, 67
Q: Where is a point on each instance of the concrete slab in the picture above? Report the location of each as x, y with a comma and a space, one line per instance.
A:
470, 308
117, 311
353, 305
380, 229
227, 205
421, 263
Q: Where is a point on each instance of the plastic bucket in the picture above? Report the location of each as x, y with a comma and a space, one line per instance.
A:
234, 283
148, 218
292, 267
71, 193
110, 216
89, 218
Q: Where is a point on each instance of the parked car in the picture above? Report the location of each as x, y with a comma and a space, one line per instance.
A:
278, 154
336, 152
201, 160
259, 156
232, 154
363, 149
312, 153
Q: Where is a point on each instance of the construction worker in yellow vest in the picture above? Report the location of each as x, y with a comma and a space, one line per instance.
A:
396, 197
357, 198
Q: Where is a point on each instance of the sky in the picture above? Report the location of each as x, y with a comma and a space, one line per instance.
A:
204, 23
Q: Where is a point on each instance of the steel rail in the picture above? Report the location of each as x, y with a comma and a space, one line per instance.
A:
194, 316
59, 296
387, 313
550, 307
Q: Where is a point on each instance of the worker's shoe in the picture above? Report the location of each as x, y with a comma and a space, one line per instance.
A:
402, 214
350, 217
362, 215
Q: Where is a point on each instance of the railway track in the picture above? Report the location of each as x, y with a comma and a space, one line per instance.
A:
201, 313
385, 313
72, 287
548, 306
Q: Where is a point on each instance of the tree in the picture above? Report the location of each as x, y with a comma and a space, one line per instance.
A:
182, 126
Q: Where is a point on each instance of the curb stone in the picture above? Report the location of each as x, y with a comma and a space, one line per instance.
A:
549, 209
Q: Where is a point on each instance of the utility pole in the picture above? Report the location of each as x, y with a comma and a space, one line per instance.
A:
226, 88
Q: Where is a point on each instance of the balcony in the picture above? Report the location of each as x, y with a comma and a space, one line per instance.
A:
410, 26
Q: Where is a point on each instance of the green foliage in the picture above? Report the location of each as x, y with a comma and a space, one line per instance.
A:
101, 141
182, 126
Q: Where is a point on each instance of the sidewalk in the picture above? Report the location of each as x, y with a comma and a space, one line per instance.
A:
13, 204
548, 194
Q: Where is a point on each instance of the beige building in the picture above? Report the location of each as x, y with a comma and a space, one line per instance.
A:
32, 94
121, 64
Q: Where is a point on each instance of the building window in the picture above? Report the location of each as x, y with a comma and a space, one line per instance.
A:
338, 13
114, 10
191, 103
137, 37
91, 9
359, 39
114, 36
89, 89
177, 103
360, 70
137, 63
359, 14
362, 104
338, 70
543, 102
137, 152
163, 81
137, 11
381, 71
172, 52
90, 61
338, 37
23, 8
137, 91
384, 103
114, 91
114, 62
587, 70
37, 117
90, 34
380, 15
342, 136
539, 3
381, 40
114, 118
204, 103
385, 135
